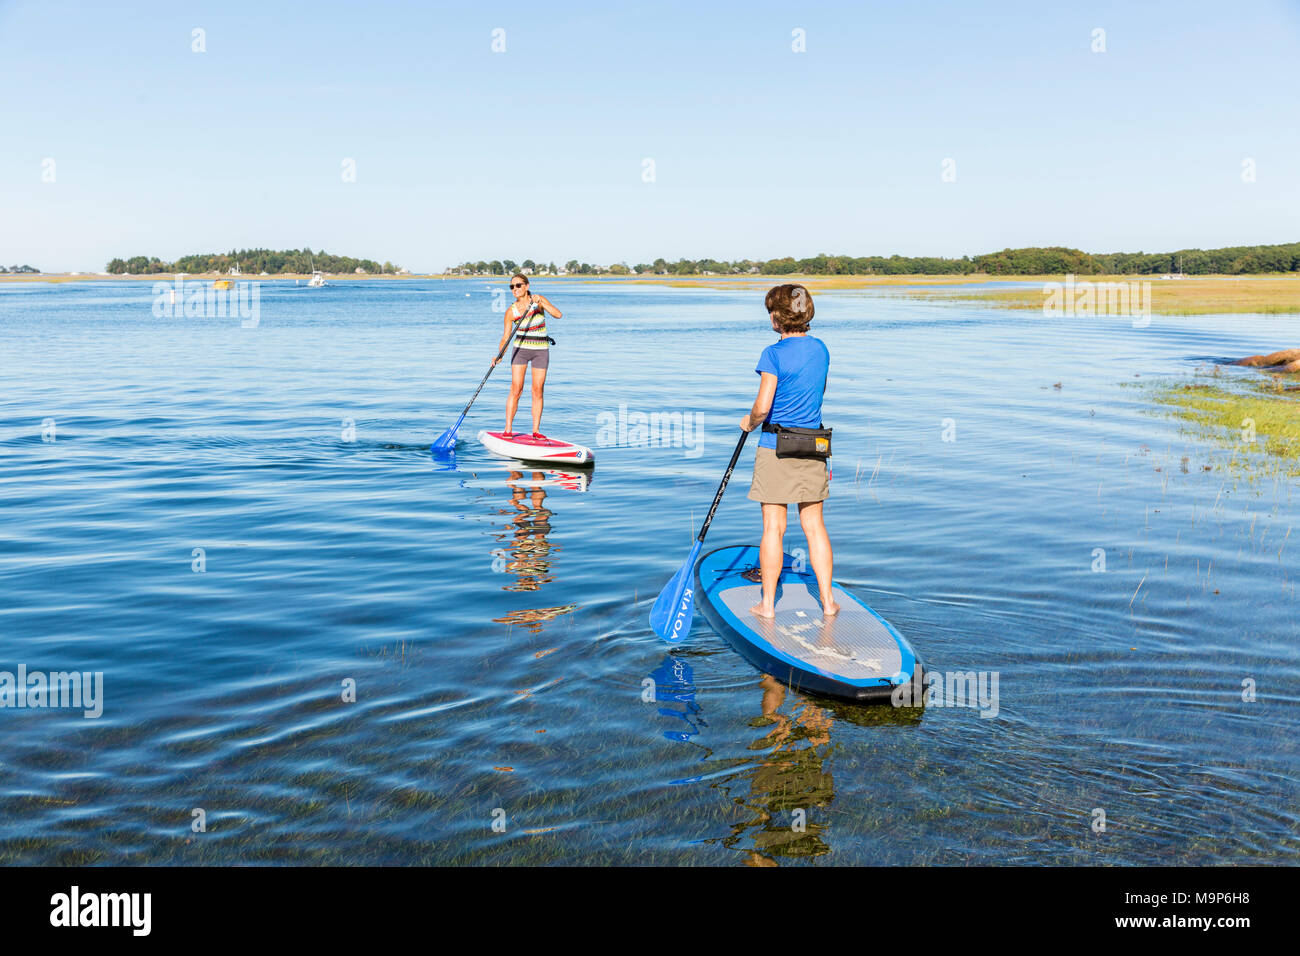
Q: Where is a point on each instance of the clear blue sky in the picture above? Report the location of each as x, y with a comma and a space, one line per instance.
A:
537, 152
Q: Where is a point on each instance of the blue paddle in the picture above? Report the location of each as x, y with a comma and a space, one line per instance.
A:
674, 608
447, 440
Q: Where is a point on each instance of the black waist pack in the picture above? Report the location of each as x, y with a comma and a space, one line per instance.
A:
800, 442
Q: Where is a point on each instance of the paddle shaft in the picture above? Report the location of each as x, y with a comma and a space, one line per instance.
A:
735, 456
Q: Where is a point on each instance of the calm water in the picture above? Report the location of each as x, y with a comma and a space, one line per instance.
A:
497, 635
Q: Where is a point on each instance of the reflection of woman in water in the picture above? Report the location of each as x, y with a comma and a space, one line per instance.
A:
531, 525
530, 551
791, 777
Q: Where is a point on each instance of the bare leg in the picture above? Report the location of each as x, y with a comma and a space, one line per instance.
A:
819, 552
770, 556
516, 389
773, 695
539, 383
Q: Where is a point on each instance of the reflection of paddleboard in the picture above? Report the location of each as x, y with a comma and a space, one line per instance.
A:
527, 448
855, 655
570, 481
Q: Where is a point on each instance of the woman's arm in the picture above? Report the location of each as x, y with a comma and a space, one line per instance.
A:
505, 336
762, 404
550, 310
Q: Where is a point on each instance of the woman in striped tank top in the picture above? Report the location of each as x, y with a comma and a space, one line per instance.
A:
531, 347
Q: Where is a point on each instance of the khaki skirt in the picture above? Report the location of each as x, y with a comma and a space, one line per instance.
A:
784, 481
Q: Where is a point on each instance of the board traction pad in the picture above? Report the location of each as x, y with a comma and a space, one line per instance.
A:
854, 644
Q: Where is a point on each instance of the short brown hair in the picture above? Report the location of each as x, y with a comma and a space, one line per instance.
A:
791, 306
520, 275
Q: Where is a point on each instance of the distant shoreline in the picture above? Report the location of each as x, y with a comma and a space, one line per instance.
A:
1266, 293
195, 276
825, 281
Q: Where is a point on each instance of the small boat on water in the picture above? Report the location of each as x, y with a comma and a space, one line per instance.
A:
317, 279
223, 283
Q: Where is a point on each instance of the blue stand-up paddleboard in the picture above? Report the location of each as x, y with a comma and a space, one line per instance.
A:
855, 655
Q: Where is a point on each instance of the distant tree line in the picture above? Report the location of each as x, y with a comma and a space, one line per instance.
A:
502, 267
1235, 260
19, 270
252, 262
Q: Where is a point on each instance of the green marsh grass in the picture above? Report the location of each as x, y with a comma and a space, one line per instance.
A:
1256, 417
1210, 296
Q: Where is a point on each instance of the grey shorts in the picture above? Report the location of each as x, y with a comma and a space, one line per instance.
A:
538, 358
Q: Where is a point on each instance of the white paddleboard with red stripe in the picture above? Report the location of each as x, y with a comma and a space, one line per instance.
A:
527, 448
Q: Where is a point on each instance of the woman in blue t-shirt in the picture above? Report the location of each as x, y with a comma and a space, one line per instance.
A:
793, 379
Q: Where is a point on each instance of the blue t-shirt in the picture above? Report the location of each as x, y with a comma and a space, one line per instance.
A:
800, 364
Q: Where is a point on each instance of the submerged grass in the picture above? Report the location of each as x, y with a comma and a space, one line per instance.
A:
1256, 417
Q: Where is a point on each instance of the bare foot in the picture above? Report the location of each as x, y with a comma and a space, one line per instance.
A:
759, 611
829, 608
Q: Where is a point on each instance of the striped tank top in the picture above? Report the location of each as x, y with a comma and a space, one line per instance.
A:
532, 331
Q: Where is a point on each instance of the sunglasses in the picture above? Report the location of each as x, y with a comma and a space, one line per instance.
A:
517, 285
